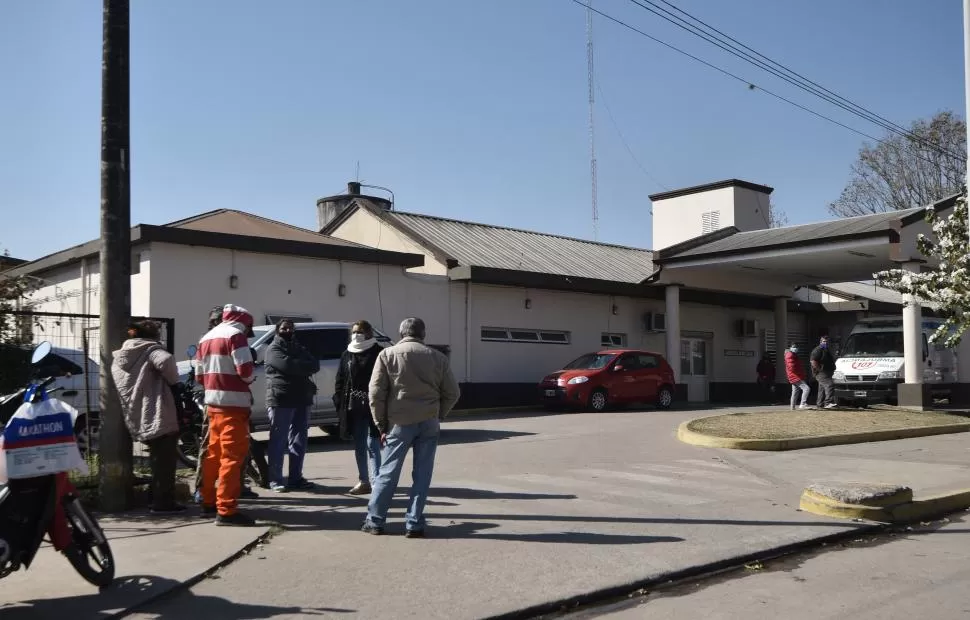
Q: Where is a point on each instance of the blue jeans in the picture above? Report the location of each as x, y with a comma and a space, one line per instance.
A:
367, 449
423, 437
287, 435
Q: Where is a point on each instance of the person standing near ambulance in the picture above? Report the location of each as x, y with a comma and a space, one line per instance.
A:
225, 370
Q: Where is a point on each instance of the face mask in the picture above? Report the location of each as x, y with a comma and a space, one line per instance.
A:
286, 335
358, 338
794, 349
824, 345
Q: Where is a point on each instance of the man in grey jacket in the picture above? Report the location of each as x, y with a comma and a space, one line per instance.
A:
411, 390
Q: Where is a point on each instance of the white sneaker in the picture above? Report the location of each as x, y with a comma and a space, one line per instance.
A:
831, 406
804, 407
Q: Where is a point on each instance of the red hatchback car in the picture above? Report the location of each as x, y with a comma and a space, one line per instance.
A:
612, 377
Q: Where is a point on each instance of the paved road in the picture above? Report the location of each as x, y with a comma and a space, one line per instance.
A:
920, 574
525, 510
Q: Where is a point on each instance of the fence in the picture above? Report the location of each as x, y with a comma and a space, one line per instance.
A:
76, 364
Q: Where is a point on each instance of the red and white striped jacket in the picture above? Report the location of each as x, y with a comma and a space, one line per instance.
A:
225, 363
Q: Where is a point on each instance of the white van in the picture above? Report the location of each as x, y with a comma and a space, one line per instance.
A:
327, 341
871, 364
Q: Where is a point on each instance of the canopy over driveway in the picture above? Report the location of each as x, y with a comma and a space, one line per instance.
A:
774, 262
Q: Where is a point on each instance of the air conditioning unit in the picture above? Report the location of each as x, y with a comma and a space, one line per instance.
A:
746, 328
654, 322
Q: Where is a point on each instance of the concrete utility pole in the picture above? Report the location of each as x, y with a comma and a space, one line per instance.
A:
116, 458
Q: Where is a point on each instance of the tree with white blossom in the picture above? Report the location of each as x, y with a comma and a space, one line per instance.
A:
947, 286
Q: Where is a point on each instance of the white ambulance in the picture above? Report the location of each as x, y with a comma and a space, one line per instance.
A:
870, 363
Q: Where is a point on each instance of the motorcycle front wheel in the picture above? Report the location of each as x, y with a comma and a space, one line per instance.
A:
89, 552
189, 447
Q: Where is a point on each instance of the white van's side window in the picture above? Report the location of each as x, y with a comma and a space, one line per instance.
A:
325, 344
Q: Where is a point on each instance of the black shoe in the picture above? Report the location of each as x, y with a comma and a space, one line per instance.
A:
414, 534
167, 510
247, 493
208, 511
367, 528
237, 519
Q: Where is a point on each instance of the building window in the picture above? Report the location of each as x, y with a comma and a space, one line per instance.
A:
710, 221
136, 263
613, 340
541, 336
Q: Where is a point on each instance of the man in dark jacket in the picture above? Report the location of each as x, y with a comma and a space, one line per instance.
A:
289, 394
823, 366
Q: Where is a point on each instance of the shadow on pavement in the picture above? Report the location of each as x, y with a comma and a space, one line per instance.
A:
449, 435
129, 592
471, 529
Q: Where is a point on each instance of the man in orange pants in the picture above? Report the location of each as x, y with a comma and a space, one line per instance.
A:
225, 370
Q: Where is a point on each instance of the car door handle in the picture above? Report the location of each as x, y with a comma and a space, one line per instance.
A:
69, 393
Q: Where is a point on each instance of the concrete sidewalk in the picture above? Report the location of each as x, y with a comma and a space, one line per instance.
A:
153, 555
525, 511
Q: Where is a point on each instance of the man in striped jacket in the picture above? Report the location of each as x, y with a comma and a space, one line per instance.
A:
225, 369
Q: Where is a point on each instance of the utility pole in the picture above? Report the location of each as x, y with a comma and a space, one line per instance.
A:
591, 83
966, 87
116, 459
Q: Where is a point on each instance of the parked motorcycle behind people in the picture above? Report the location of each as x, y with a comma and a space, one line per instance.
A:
38, 448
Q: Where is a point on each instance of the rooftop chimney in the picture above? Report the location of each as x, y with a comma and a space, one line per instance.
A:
332, 207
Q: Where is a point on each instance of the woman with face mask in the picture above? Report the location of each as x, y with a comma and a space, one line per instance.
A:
350, 396
289, 394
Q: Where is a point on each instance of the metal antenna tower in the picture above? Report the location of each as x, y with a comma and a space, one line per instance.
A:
592, 104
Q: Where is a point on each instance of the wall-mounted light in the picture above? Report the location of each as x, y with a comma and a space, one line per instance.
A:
528, 303
233, 281
342, 290
616, 309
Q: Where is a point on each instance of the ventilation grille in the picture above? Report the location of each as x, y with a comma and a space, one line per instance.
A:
710, 221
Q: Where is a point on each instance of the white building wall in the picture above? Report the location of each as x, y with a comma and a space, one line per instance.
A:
587, 317
686, 217
187, 281
75, 289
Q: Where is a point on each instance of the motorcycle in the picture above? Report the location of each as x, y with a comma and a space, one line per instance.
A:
48, 504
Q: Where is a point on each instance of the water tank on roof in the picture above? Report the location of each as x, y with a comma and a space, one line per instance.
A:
330, 208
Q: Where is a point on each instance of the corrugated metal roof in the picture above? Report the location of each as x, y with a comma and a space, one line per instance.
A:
803, 233
483, 245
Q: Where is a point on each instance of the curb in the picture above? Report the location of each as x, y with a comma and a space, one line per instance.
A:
598, 597
271, 530
686, 435
908, 512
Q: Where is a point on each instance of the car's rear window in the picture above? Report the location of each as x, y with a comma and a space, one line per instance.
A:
326, 343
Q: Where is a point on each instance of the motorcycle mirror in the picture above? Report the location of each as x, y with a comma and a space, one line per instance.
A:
191, 351
41, 351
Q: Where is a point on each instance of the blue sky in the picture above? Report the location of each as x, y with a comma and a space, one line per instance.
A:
472, 110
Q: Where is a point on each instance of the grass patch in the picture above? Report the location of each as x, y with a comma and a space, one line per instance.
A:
813, 423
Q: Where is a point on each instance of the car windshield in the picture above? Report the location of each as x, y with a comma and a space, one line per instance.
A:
590, 361
259, 332
874, 344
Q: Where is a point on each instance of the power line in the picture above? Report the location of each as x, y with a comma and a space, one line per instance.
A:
783, 67
629, 150
747, 83
782, 72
